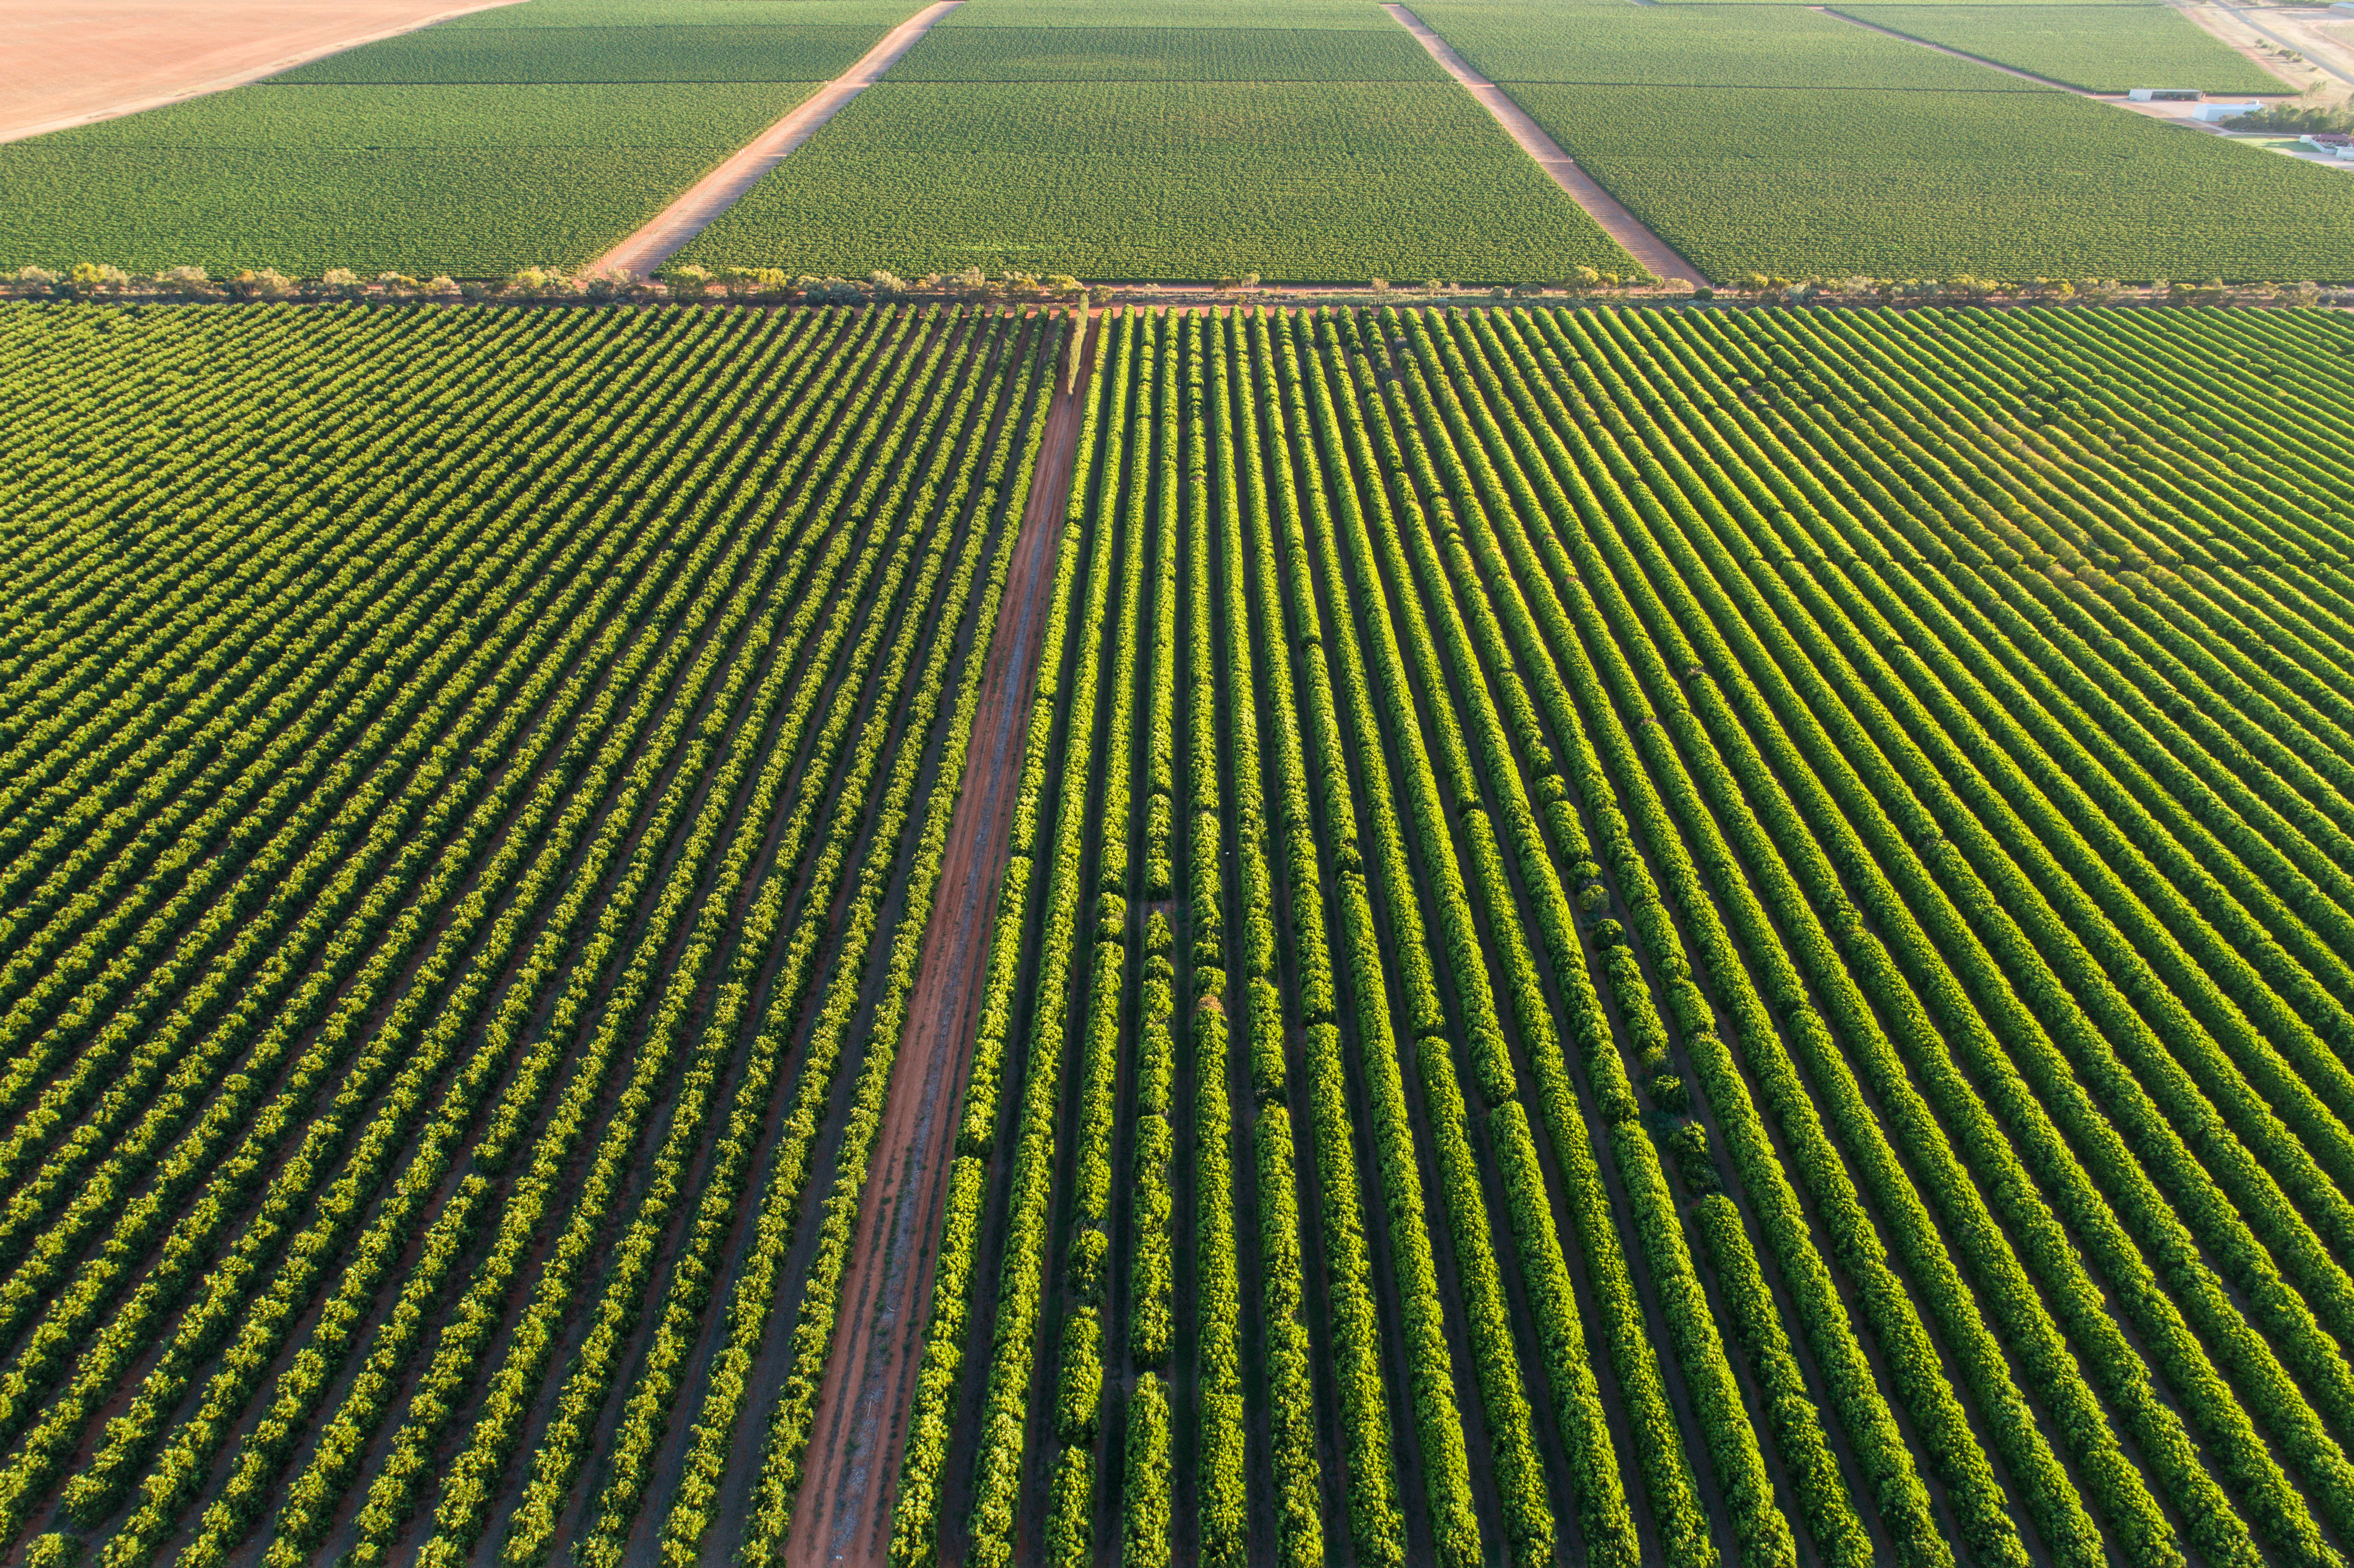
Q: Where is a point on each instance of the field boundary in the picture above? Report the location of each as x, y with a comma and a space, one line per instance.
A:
1632, 234
244, 77
723, 187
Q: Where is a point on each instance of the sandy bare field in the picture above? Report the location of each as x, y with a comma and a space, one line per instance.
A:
67, 65
2250, 31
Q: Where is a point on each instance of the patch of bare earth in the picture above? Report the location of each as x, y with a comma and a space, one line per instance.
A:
69, 65
2257, 35
844, 1511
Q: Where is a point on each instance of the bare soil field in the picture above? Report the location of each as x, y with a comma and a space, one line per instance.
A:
2252, 34
69, 65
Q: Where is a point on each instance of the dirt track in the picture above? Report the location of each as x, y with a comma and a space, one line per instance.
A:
1653, 252
724, 187
844, 1514
69, 65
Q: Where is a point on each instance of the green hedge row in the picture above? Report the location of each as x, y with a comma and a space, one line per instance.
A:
1291, 1419
1145, 1507
1152, 1264
1221, 1508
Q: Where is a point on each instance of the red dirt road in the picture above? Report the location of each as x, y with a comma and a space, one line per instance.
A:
69, 65
843, 1516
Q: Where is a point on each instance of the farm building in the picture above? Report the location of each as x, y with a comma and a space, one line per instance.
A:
2164, 94
2215, 112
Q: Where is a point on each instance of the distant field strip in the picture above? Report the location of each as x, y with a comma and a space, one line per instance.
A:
1321, 16
1162, 54
2007, 185
1318, 181
1648, 249
1581, 42
469, 151
471, 181
2095, 48
653, 244
1789, 143
635, 54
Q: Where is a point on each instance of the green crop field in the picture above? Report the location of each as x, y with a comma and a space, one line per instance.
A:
1165, 53
1671, 937
1577, 41
2097, 48
466, 180
1174, 180
878, 15
1008, 872
476, 782
2006, 185
624, 54
539, 135
1361, 15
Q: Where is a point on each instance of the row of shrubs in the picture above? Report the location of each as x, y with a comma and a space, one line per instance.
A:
774, 285
766, 285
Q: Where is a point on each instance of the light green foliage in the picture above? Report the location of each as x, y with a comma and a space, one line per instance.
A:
615, 54
607, 119
1327, 181
2106, 48
1164, 54
1358, 15
1697, 3
531, 134
2004, 184
1577, 41
471, 181
877, 14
